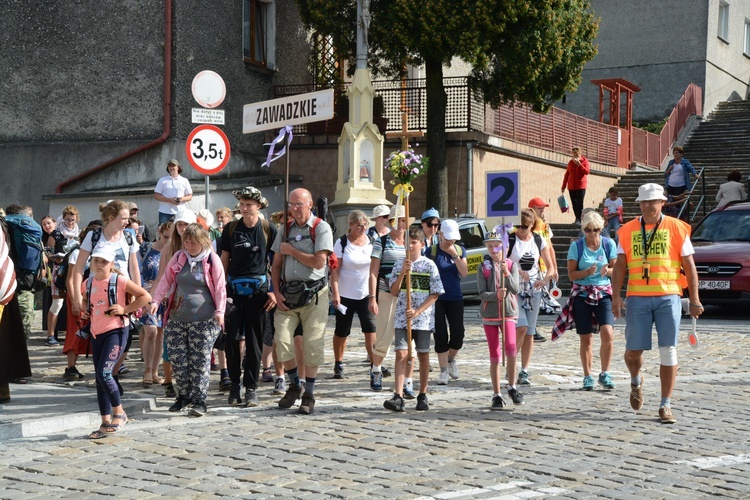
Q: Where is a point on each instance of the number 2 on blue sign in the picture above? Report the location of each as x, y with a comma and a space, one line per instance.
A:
502, 194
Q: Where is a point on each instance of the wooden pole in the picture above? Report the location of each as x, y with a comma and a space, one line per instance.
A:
407, 277
286, 204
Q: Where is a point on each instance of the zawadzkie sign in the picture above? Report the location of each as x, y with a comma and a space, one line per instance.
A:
292, 110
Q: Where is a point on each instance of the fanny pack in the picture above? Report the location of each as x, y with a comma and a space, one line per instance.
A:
301, 293
247, 286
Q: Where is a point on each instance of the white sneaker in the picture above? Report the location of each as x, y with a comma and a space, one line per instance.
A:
279, 386
453, 370
443, 378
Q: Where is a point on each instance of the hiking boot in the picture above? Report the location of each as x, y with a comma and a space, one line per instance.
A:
666, 416
539, 338
376, 381
338, 371
279, 386
225, 384
396, 403
307, 406
385, 371
251, 399
498, 403
409, 390
523, 378
169, 390
636, 395
291, 397
234, 395
52, 341
453, 370
422, 404
588, 383
198, 409
515, 396
605, 380
179, 404
443, 378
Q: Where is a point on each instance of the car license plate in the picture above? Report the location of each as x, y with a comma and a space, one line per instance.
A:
713, 285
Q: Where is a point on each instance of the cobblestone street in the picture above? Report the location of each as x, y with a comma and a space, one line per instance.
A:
563, 442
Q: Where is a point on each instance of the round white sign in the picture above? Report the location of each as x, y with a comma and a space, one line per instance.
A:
208, 89
207, 149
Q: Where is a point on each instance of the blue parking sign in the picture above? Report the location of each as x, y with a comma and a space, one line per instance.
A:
503, 194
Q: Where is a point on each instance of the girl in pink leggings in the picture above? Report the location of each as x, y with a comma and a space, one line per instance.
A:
497, 279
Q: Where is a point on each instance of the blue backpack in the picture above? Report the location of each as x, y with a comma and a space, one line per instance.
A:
26, 250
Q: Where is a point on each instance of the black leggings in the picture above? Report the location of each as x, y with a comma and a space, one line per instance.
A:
250, 317
576, 199
453, 311
107, 348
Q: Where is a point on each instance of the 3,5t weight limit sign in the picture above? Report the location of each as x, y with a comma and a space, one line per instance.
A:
207, 149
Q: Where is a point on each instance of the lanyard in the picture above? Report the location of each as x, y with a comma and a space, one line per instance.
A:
647, 245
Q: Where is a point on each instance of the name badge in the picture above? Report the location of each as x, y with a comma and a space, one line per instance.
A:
298, 237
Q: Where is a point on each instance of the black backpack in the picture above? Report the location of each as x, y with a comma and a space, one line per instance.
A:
61, 281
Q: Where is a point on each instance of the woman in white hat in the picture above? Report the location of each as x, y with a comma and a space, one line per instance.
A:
450, 259
380, 215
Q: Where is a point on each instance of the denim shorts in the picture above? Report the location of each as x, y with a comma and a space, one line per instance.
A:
155, 319
582, 313
641, 313
421, 339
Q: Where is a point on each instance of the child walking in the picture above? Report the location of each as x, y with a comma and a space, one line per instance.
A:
426, 286
109, 327
492, 291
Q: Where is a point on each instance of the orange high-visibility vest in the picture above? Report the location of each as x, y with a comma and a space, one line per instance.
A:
665, 276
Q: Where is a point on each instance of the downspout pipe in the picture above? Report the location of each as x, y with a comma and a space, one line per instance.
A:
470, 177
167, 109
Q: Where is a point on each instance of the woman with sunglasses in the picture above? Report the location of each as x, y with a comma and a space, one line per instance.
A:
430, 226
591, 260
526, 249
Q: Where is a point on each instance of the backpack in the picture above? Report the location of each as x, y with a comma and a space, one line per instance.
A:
61, 281
512, 243
96, 235
26, 250
333, 261
607, 244
111, 290
434, 249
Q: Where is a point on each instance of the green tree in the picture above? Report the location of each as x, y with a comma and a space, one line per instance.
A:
519, 51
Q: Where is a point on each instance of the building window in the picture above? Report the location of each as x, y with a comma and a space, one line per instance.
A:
258, 33
724, 21
747, 38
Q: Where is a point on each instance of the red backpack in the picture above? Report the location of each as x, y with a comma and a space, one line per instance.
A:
333, 261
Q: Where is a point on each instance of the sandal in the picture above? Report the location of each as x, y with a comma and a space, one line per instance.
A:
147, 380
112, 428
101, 432
156, 379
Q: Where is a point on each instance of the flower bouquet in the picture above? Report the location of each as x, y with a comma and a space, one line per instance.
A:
405, 166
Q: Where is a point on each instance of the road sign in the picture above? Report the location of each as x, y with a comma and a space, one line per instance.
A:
207, 149
208, 89
292, 110
212, 116
503, 194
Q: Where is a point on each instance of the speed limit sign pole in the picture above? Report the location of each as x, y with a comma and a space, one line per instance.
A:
207, 149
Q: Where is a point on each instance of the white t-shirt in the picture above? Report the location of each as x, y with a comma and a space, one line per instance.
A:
123, 253
612, 205
676, 176
354, 269
526, 254
172, 187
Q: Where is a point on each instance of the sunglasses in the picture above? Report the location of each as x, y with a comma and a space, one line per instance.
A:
522, 227
432, 224
589, 230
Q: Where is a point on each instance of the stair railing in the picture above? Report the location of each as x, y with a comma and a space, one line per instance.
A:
701, 205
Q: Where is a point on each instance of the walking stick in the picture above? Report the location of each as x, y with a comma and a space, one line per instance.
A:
502, 314
407, 277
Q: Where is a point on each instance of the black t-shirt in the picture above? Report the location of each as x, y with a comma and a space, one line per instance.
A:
248, 249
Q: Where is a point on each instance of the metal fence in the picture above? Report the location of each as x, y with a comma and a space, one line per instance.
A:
556, 130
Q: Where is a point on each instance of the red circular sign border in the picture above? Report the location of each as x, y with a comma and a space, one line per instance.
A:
192, 134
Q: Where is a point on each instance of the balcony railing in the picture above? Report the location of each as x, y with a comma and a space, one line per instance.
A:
556, 130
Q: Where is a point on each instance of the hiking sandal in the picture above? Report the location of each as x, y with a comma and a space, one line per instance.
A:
112, 428
101, 432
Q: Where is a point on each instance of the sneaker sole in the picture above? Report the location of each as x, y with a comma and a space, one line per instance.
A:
422, 409
502, 408
252, 404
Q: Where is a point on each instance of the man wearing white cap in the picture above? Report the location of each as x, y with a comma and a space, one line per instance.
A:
655, 249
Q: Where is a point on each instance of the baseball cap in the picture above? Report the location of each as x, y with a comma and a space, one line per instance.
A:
449, 228
185, 215
537, 203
